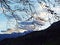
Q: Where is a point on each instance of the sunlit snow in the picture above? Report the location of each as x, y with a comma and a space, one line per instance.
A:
42, 17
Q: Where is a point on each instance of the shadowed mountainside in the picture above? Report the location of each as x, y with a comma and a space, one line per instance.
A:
49, 36
13, 35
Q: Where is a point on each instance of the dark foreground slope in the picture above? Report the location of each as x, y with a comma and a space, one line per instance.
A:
13, 35
50, 36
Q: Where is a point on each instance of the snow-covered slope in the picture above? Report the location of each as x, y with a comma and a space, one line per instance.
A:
37, 17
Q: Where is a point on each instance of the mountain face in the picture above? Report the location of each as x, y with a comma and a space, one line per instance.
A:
49, 36
27, 15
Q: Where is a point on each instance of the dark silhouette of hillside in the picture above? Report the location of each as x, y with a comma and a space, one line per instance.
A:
49, 36
13, 35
